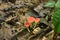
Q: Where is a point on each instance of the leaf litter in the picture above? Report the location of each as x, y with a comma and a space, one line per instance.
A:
13, 14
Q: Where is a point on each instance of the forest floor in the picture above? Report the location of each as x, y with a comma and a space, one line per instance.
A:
13, 14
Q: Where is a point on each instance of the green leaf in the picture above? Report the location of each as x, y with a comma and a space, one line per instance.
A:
56, 20
49, 4
57, 5
58, 29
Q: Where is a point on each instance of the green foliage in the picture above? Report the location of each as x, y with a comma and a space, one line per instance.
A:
56, 20
57, 5
56, 15
50, 3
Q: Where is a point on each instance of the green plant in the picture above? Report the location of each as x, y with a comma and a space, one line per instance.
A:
56, 15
